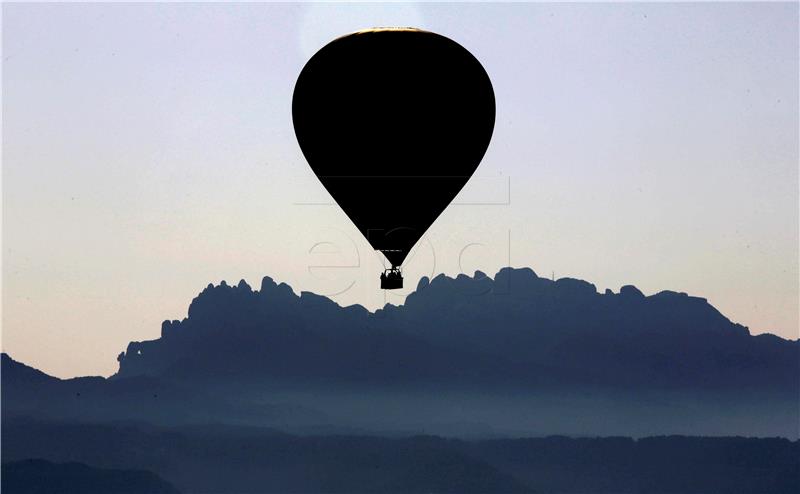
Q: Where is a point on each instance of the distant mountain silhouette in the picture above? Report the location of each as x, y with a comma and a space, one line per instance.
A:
518, 330
465, 356
44, 477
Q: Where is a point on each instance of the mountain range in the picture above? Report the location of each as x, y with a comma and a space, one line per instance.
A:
461, 389
512, 355
514, 330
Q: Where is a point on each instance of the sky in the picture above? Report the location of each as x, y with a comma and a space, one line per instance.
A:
148, 150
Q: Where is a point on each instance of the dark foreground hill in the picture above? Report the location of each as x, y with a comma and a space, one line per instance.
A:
43, 477
465, 356
237, 459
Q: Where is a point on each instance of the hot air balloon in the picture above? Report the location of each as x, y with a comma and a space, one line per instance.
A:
393, 121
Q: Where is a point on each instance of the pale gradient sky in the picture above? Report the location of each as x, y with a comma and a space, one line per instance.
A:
148, 150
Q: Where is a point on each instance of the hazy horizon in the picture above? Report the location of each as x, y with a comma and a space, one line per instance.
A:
148, 150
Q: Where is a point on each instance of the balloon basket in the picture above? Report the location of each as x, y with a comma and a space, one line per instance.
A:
392, 279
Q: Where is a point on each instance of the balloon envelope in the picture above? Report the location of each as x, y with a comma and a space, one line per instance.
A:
393, 122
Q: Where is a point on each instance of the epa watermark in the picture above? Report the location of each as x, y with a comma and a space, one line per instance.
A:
339, 260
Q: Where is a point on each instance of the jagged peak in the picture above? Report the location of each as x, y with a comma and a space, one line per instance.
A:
267, 283
423, 282
439, 278
669, 294
631, 292
509, 270
286, 289
510, 279
576, 285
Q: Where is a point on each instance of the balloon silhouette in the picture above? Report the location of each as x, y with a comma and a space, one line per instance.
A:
393, 121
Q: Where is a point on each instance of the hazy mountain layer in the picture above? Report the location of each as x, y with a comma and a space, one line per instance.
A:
235, 459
